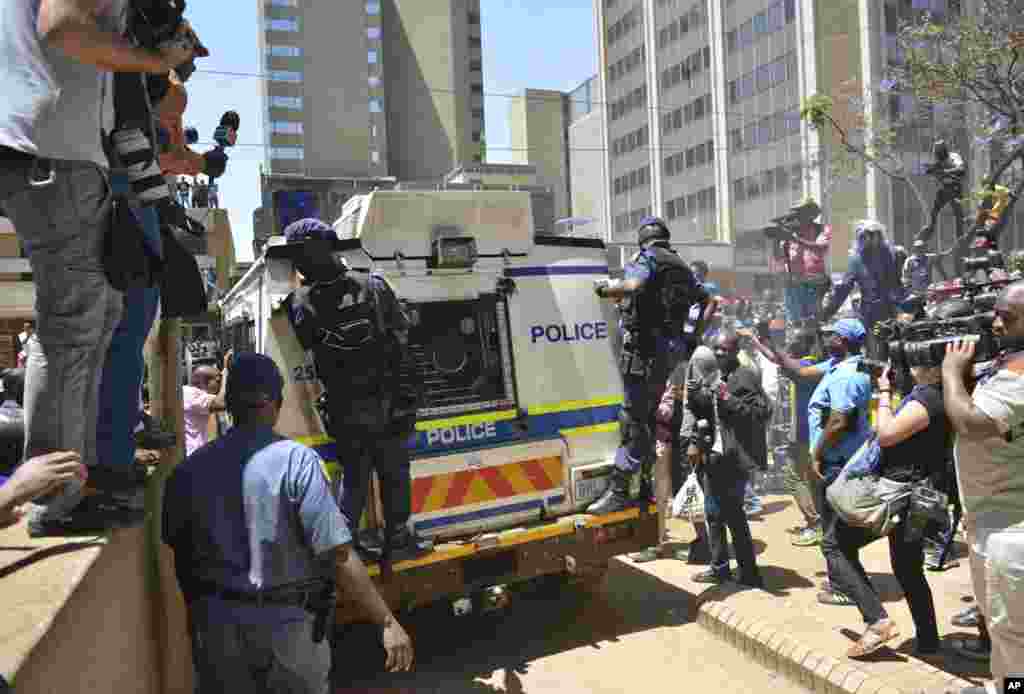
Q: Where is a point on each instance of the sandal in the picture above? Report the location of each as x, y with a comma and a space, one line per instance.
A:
831, 597
875, 636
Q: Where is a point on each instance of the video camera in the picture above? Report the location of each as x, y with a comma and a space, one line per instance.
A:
968, 317
154, 24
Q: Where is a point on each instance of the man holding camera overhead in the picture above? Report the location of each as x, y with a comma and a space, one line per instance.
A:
56, 59
805, 252
989, 455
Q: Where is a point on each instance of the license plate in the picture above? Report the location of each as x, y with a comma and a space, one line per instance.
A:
590, 489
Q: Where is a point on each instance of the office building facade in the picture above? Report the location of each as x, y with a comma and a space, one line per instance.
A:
702, 119
371, 88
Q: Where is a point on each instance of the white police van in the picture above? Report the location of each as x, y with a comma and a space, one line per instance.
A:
520, 421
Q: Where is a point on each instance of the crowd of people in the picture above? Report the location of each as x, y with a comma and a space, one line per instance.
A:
85, 159
950, 433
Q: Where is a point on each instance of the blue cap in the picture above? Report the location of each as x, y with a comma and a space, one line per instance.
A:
851, 329
308, 229
253, 380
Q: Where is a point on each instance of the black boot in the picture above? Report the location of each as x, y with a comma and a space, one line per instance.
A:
615, 498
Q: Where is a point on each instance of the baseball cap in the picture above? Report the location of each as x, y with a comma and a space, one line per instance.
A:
309, 229
851, 329
253, 380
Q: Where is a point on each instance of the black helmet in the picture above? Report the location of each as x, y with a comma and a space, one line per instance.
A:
941, 150
651, 229
699, 267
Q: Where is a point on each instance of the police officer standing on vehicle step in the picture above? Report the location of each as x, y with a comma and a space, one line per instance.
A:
358, 333
663, 308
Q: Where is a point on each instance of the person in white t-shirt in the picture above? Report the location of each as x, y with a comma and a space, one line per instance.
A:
989, 454
204, 397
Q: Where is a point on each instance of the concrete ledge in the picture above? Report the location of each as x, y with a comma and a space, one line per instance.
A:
807, 666
77, 613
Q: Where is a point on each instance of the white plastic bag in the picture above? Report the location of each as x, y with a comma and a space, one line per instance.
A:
689, 501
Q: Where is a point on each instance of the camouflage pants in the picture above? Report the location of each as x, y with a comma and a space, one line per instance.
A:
798, 475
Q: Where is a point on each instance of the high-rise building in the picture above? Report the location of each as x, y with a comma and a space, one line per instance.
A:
371, 88
539, 129
702, 118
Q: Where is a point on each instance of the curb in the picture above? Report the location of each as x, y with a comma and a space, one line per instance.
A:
815, 671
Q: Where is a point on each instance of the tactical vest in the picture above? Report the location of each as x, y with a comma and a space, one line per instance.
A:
353, 351
663, 306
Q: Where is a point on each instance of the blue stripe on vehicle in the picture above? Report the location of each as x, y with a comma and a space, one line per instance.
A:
539, 428
556, 270
479, 515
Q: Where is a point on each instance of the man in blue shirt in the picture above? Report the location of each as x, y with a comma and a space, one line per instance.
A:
661, 302
256, 536
837, 417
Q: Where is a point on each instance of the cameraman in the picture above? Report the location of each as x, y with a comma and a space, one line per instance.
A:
989, 454
56, 59
807, 251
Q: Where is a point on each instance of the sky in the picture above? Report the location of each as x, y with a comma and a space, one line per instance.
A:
563, 54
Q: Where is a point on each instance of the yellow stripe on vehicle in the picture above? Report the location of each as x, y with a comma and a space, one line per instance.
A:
588, 430
485, 418
513, 537
569, 405
313, 441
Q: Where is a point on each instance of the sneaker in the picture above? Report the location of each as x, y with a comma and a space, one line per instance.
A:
808, 537
969, 618
713, 577
90, 517
154, 437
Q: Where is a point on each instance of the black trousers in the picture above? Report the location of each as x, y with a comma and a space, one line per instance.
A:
724, 488
359, 456
842, 544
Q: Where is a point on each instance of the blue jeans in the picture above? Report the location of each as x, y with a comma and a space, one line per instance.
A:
121, 383
802, 301
62, 226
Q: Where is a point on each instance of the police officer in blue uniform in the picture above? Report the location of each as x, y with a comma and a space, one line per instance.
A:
663, 306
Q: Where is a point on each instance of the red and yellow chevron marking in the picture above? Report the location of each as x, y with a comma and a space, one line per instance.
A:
453, 489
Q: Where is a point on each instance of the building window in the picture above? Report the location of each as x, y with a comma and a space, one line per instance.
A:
790, 10
474, 41
373, 81
286, 127
373, 131
278, 51
283, 24
476, 136
287, 153
284, 3
476, 88
374, 156
373, 33
376, 104
477, 113
292, 103
475, 66
373, 7
731, 43
371, 57
474, 18
284, 76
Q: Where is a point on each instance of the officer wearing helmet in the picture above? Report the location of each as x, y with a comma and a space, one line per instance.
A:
662, 304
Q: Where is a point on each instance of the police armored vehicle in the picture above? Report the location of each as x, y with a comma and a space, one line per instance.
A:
517, 425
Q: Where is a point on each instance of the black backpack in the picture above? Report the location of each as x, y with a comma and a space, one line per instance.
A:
353, 351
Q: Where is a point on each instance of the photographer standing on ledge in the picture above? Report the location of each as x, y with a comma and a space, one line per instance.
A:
989, 454
806, 251
55, 62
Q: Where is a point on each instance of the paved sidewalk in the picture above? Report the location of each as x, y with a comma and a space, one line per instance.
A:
786, 629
